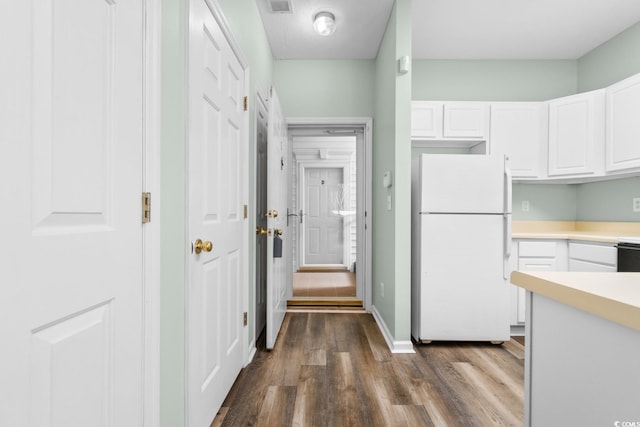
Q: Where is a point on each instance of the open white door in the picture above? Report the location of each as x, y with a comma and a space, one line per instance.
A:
277, 267
217, 229
71, 156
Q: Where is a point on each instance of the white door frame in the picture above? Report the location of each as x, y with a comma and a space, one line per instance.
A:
303, 165
151, 231
364, 198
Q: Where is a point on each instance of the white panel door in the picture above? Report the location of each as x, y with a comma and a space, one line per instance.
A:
217, 193
71, 144
324, 226
277, 170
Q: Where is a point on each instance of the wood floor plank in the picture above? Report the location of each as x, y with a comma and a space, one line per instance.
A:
411, 415
311, 397
346, 409
336, 370
277, 407
488, 398
314, 347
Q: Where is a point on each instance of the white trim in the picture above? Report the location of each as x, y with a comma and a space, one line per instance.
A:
394, 346
151, 231
365, 218
216, 11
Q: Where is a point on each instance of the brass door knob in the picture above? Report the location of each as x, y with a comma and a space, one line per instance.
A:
272, 213
261, 231
278, 231
199, 246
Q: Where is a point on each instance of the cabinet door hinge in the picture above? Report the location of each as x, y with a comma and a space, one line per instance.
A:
244, 318
146, 208
246, 103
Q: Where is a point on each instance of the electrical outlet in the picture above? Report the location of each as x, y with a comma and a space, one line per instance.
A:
525, 206
636, 204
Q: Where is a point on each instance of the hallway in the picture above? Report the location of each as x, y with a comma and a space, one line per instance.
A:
336, 370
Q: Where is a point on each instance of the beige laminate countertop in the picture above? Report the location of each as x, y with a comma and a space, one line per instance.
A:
611, 296
607, 232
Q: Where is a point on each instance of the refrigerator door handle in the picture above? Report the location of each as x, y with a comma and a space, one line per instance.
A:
508, 196
507, 220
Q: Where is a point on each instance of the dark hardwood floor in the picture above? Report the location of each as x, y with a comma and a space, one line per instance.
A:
333, 369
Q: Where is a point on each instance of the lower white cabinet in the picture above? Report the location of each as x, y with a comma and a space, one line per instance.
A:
534, 255
556, 255
593, 256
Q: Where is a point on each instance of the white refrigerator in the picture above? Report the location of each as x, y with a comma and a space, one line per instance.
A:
461, 242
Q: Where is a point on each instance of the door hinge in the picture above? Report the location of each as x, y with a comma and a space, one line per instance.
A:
246, 211
244, 318
246, 103
146, 208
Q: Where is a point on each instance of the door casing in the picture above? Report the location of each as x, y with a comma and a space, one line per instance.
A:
364, 168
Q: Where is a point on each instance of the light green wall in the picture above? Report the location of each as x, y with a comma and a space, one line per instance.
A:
492, 80
610, 62
392, 152
173, 209
246, 25
325, 88
556, 202
608, 200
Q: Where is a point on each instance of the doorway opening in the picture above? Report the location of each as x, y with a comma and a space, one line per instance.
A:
329, 206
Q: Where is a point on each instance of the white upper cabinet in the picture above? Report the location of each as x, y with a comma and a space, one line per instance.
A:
623, 125
426, 120
576, 135
520, 129
441, 121
466, 120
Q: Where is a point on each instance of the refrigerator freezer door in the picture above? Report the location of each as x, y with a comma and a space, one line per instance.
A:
462, 183
464, 295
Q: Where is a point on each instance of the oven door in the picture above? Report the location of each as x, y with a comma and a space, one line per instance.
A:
628, 257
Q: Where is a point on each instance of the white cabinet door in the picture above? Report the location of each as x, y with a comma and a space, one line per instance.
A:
465, 120
426, 120
520, 130
449, 120
576, 135
623, 125
593, 256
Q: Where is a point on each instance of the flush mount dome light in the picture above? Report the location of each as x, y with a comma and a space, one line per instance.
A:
324, 23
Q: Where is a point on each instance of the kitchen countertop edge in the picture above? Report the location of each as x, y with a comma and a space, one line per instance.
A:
611, 296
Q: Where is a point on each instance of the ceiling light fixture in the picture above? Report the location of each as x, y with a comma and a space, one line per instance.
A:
324, 23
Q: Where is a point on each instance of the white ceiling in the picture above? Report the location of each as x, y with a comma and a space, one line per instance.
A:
453, 29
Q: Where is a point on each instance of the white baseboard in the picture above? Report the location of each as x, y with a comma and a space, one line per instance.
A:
395, 346
252, 353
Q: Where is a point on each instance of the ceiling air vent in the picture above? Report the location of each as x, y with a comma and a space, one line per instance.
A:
280, 6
